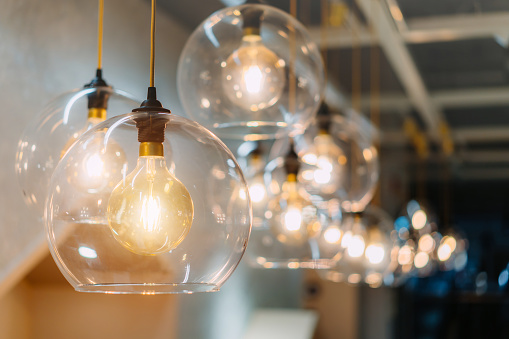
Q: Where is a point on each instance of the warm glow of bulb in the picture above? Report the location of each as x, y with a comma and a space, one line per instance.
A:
293, 219
426, 243
405, 255
321, 176
150, 212
375, 253
332, 235
94, 166
421, 259
356, 246
444, 252
419, 219
253, 78
324, 163
451, 242
347, 238
257, 192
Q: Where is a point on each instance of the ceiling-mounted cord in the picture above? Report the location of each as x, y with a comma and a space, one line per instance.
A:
152, 42
100, 34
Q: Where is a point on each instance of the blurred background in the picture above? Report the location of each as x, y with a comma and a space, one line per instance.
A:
435, 73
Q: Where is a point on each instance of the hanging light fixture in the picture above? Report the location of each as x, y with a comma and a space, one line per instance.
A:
251, 158
177, 219
367, 241
293, 233
341, 163
59, 125
263, 77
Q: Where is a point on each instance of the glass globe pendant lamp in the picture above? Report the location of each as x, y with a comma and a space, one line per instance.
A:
339, 160
417, 230
291, 235
451, 252
48, 137
177, 219
251, 159
263, 77
367, 241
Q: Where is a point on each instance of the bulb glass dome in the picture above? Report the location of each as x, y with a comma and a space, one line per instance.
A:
54, 131
367, 241
297, 231
263, 76
341, 164
176, 220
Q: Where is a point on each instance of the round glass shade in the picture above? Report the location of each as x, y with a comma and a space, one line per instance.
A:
417, 232
252, 161
451, 252
47, 138
367, 241
262, 77
174, 218
341, 164
298, 230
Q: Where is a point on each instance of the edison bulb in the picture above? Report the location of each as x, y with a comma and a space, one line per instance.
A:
253, 75
293, 218
327, 162
151, 211
95, 172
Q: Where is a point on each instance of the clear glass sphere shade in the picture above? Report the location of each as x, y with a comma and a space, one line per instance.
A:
367, 242
199, 256
297, 232
342, 164
52, 132
251, 87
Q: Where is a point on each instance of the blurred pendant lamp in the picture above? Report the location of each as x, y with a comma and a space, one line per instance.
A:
251, 158
292, 234
451, 252
59, 125
177, 219
416, 226
258, 58
367, 238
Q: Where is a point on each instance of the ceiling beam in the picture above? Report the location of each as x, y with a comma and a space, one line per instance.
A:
486, 134
471, 97
425, 30
399, 57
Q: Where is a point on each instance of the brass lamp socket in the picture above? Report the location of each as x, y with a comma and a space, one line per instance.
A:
154, 149
97, 113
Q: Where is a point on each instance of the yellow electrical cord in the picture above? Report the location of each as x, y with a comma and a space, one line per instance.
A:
100, 34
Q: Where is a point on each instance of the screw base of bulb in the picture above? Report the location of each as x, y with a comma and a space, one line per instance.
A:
154, 149
97, 113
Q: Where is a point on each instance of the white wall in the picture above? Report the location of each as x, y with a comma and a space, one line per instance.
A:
48, 47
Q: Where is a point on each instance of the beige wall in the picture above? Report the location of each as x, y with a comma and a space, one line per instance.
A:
45, 306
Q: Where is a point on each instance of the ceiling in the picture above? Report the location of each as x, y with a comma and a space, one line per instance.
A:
439, 60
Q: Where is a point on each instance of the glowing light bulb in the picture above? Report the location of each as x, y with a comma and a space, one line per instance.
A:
294, 218
151, 211
444, 252
332, 235
254, 76
421, 259
356, 246
419, 219
257, 192
328, 163
375, 253
99, 167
